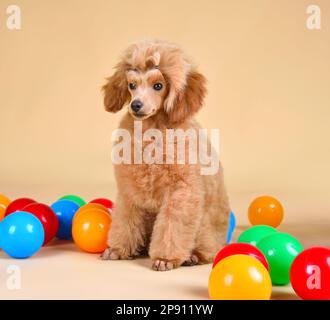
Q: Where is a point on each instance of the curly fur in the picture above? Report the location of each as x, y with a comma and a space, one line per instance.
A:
170, 211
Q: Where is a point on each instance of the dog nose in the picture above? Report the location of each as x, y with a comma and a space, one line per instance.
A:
136, 105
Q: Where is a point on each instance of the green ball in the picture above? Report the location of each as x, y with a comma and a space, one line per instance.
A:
79, 201
280, 249
255, 234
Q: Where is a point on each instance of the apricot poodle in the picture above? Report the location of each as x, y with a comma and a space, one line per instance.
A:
169, 210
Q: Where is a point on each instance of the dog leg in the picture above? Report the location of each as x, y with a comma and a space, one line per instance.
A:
211, 238
175, 229
127, 233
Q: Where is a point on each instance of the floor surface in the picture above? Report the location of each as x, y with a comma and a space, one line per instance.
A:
62, 271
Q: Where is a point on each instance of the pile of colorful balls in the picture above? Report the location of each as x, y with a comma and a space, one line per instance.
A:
26, 225
263, 257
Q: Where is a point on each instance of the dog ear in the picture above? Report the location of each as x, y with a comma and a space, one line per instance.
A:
115, 91
189, 100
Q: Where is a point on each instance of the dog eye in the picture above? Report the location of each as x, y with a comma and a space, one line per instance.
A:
158, 86
132, 86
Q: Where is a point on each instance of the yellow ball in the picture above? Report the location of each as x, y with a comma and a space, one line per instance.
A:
240, 277
266, 210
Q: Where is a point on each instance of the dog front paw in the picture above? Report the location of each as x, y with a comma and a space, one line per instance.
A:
191, 261
114, 254
163, 265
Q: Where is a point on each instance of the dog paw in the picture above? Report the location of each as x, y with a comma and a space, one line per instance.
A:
162, 265
110, 254
113, 254
191, 261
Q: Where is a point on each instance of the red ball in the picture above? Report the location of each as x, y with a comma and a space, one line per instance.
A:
105, 202
18, 205
47, 217
310, 274
240, 248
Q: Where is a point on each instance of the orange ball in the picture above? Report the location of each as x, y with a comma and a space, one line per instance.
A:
2, 212
92, 206
266, 210
4, 203
90, 230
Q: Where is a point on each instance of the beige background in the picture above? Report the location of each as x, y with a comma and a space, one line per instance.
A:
268, 93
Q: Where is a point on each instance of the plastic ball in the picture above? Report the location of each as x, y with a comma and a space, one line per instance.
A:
240, 248
4, 201
231, 227
104, 202
2, 212
21, 235
310, 274
266, 210
65, 211
240, 277
78, 200
90, 230
90, 206
255, 234
18, 205
280, 249
47, 217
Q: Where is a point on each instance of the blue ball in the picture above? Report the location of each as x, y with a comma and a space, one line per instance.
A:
21, 234
231, 226
65, 210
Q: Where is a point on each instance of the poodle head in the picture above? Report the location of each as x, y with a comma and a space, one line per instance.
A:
155, 77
